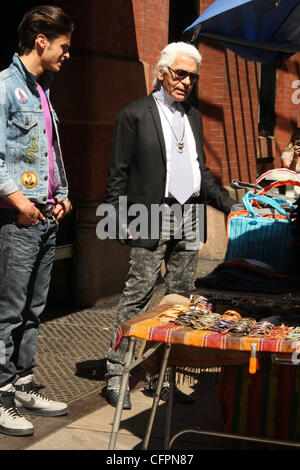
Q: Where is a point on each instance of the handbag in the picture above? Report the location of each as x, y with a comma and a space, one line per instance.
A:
261, 234
278, 183
291, 184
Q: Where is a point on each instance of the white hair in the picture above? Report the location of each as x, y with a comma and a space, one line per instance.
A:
169, 54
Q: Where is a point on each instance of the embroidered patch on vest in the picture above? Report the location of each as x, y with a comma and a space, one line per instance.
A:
21, 95
30, 157
29, 179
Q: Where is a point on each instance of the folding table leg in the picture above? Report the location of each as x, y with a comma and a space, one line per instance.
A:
119, 408
156, 396
169, 415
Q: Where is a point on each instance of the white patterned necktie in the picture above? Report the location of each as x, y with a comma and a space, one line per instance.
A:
181, 184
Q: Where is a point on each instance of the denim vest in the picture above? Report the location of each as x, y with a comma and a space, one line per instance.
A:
24, 161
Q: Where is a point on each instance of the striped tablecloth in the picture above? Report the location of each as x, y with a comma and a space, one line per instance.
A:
217, 349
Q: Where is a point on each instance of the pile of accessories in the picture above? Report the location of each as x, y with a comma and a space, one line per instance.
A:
197, 320
243, 327
280, 332
200, 315
227, 321
293, 335
261, 329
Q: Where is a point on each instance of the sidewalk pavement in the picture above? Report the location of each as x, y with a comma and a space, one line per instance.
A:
92, 432
71, 365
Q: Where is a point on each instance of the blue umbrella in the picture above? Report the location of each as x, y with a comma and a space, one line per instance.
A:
260, 30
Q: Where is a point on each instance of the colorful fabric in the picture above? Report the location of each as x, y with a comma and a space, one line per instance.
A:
245, 276
266, 404
155, 325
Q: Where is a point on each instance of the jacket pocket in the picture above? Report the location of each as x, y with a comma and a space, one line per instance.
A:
22, 130
24, 126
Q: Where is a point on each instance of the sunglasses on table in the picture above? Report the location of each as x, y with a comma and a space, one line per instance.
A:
182, 74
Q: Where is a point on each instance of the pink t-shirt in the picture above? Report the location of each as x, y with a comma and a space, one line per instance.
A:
49, 133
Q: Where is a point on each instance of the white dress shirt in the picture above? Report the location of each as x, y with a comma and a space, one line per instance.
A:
166, 116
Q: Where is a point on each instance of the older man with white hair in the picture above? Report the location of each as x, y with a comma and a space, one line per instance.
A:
157, 158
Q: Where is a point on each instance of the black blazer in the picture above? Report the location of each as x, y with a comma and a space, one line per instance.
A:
138, 161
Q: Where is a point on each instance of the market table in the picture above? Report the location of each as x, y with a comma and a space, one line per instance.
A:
168, 344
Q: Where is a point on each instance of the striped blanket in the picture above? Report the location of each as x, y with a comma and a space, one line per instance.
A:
216, 349
266, 404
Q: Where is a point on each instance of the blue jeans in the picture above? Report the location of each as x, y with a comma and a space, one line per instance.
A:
26, 260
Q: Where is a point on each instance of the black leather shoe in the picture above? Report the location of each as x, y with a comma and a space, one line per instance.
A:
113, 397
179, 397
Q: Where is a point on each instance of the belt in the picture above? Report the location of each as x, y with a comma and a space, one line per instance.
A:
45, 209
170, 201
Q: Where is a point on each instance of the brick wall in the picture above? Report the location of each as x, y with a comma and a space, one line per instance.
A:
228, 94
115, 47
151, 25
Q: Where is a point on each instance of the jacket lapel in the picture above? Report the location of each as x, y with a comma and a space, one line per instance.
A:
156, 118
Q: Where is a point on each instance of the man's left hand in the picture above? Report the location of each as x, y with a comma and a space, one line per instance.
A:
61, 209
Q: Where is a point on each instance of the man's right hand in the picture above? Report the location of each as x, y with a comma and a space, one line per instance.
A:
28, 213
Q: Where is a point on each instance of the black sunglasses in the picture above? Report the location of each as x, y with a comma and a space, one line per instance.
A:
182, 74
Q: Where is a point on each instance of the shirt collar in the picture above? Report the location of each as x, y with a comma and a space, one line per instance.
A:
163, 96
45, 78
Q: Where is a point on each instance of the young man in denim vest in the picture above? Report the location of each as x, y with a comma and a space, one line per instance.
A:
33, 198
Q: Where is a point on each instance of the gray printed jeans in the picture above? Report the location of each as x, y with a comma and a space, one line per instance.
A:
145, 266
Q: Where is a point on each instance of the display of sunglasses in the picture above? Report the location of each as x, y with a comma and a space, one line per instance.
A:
182, 74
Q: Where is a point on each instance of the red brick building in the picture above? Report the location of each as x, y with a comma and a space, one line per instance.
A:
115, 48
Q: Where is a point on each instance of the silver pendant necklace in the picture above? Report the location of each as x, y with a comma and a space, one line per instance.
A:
179, 143
180, 146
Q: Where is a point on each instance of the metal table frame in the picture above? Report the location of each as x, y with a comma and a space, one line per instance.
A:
131, 363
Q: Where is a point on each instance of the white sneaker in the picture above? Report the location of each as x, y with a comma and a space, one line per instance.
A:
11, 420
34, 402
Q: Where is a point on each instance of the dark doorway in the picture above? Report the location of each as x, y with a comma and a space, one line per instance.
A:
267, 99
182, 14
10, 19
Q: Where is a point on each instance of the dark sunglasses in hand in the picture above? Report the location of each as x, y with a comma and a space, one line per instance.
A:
182, 74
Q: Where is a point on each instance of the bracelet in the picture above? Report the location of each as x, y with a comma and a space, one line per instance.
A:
71, 206
261, 329
242, 327
62, 203
280, 332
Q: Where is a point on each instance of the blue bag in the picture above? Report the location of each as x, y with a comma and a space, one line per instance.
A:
260, 234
